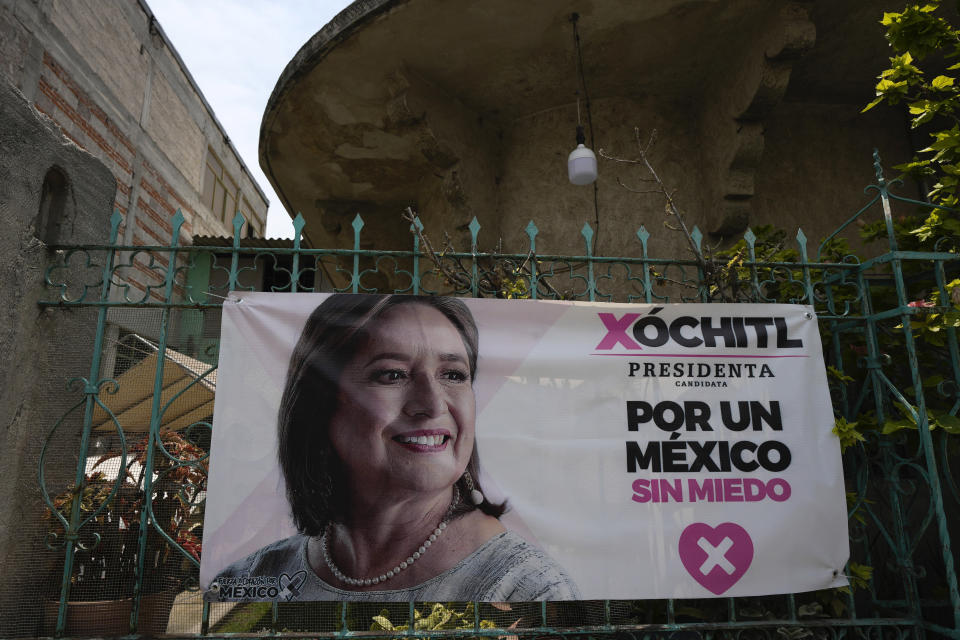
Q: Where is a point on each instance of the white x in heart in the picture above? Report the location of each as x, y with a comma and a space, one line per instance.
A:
716, 556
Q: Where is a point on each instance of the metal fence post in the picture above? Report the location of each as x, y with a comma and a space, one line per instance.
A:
91, 389
474, 279
298, 224
587, 232
532, 231
644, 235
155, 412
415, 228
355, 273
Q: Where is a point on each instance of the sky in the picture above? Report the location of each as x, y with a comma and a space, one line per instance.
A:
235, 51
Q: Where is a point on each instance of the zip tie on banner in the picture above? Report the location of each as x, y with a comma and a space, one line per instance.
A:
225, 298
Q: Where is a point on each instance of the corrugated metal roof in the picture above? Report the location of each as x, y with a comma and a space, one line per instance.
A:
248, 243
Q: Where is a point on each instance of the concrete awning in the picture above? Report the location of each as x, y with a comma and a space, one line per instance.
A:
188, 382
469, 108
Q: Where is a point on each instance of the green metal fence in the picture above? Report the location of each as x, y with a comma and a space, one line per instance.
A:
124, 524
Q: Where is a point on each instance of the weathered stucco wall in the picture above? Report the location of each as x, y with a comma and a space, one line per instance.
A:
817, 161
535, 185
39, 350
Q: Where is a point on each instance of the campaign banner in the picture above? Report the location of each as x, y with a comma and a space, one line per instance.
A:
436, 449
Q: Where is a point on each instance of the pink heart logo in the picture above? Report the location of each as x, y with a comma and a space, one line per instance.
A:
718, 556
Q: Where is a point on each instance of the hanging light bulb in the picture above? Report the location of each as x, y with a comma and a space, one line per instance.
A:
582, 162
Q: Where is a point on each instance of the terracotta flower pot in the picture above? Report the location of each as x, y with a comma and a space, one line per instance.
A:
107, 618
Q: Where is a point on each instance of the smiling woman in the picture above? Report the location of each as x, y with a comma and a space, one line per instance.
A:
376, 443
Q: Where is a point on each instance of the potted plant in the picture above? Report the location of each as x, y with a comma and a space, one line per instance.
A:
104, 576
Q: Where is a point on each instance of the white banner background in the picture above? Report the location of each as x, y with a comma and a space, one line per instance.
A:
552, 433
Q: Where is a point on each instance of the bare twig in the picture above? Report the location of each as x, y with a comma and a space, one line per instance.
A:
632, 190
650, 141
661, 278
607, 156
491, 278
455, 278
671, 204
523, 268
672, 209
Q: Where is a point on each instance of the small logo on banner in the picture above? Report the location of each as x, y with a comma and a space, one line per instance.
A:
259, 588
290, 586
716, 557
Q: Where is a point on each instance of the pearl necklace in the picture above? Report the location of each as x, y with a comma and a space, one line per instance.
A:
383, 577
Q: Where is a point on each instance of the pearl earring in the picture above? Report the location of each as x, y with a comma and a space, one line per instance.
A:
476, 496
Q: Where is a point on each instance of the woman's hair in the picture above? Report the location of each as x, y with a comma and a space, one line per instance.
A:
337, 328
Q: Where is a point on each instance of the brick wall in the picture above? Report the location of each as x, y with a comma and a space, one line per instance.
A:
81, 120
106, 76
61, 99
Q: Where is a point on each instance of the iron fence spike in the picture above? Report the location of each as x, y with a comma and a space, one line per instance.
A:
298, 223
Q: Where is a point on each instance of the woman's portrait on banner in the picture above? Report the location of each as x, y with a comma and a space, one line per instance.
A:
376, 443
405, 448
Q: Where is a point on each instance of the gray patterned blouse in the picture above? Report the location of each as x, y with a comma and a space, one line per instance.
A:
506, 568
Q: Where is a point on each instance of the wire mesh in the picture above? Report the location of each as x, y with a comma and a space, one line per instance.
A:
131, 552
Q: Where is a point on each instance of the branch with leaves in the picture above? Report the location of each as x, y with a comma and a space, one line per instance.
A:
925, 42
